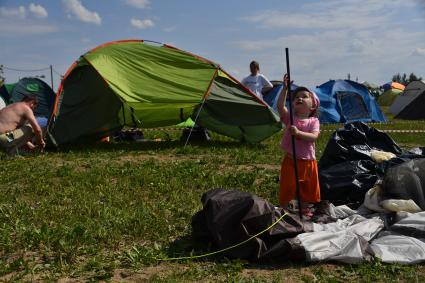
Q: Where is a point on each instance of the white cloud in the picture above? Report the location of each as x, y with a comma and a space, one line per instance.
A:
332, 14
316, 57
169, 29
19, 12
372, 5
85, 40
142, 24
24, 28
419, 52
82, 13
16, 21
38, 10
316, 19
141, 4
329, 39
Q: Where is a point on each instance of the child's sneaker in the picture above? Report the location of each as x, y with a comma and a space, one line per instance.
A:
293, 206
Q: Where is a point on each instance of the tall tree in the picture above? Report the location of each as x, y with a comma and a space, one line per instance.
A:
413, 77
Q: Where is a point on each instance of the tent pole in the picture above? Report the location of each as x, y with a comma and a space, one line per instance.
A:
194, 122
51, 76
291, 119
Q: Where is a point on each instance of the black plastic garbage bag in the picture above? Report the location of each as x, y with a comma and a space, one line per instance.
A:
347, 181
355, 142
346, 168
406, 181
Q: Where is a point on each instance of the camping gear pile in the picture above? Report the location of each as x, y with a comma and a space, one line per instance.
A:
337, 233
129, 135
360, 164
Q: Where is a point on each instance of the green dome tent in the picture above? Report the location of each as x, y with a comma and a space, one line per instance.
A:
143, 84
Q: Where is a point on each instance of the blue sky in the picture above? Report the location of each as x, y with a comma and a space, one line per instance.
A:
370, 39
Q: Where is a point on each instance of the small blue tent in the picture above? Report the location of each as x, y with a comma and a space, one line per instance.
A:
271, 97
344, 101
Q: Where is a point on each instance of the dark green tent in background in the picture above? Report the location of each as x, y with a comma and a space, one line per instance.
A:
144, 84
11, 93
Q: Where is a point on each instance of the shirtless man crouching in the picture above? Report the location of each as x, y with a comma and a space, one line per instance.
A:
18, 126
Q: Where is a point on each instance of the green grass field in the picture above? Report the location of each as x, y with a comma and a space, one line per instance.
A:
104, 212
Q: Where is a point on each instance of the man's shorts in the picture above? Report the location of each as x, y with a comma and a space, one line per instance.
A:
16, 138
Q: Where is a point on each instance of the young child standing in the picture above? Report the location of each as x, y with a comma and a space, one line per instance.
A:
305, 129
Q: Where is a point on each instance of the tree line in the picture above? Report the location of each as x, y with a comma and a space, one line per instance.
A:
404, 79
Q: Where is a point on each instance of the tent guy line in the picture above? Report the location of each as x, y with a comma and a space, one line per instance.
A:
227, 248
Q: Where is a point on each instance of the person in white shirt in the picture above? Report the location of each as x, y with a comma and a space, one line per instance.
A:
257, 82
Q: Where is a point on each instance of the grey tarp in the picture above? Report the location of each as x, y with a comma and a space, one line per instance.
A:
404, 242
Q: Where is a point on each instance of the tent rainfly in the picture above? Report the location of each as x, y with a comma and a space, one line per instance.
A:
144, 84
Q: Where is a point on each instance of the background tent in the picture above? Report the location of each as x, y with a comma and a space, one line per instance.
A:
4, 96
272, 95
410, 103
2, 103
393, 85
374, 89
387, 98
30, 86
391, 91
5, 91
344, 101
369, 85
142, 84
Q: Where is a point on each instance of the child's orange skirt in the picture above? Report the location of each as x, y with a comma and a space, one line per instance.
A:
308, 180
